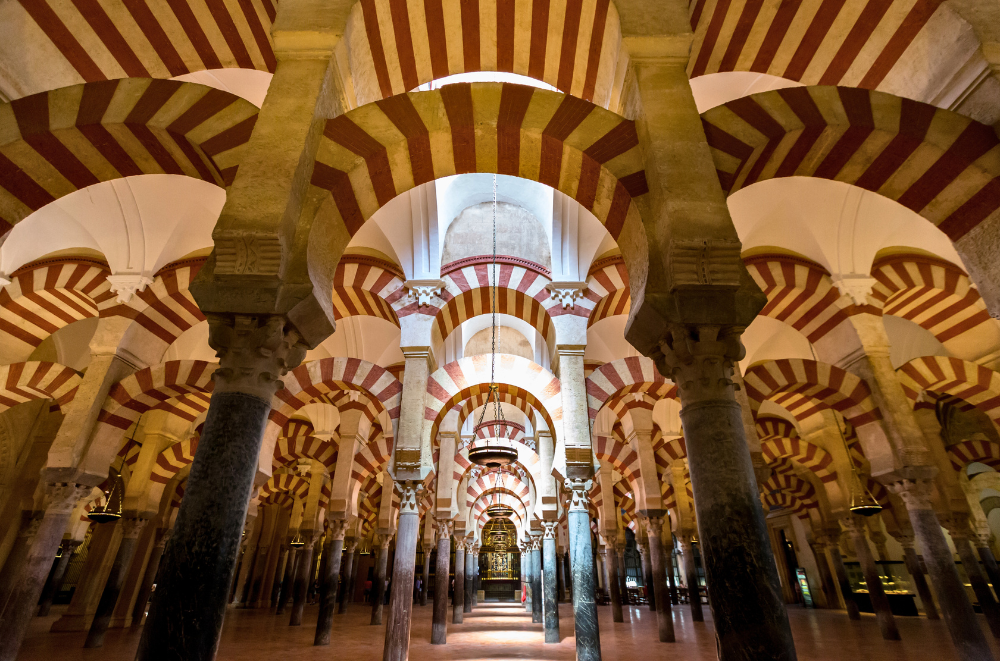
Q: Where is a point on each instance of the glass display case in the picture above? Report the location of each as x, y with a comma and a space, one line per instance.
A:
896, 582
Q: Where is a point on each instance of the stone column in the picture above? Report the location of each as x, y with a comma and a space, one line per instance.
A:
397, 632
619, 548
989, 561
668, 560
561, 573
475, 575
196, 570
131, 527
148, 578
691, 577
527, 567
886, 622
537, 598
740, 570
647, 574
549, 581
588, 635
54, 583
459, 597
658, 580
303, 576
825, 576
439, 626
426, 577
279, 574
288, 581
13, 566
470, 577
952, 598
846, 592
348, 592
62, 498
330, 581
378, 585
961, 536
614, 584
568, 575
917, 573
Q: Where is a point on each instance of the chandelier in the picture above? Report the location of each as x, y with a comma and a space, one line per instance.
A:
861, 501
114, 492
493, 456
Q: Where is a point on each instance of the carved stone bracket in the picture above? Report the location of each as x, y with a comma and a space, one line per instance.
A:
125, 285
915, 494
567, 293
254, 352
424, 291
63, 496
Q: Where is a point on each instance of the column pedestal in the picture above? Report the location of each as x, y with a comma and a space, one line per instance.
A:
439, 626
330, 582
883, 613
549, 583
588, 635
131, 527
378, 585
664, 616
459, 596
397, 631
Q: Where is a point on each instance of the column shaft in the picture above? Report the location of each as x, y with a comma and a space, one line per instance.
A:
979, 585
561, 573
613, 583
691, 577
536, 583
148, 578
470, 581
303, 576
886, 621
426, 577
990, 563
378, 585
664, 616
330, 583
54, 583
113, 586
288, 581
13, 566
459, 596
916, 571
622, 575
845, 584
397, 632
568, 575
549, 588
825, 576
588, 635
347, 594
647, 577
668, 559
439, 627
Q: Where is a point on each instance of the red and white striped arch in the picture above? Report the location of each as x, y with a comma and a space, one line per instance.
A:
371, 154
806, 386
65, 140
518, 397
368, 286
608, 288
150, 388
24, 382
624, 376
619, 454
495, 429
930, 292
934, 162
288, 450
780, 441
293, 484
975, 384
509, 482
498, 496
667, 450
370, 458
173, 459
981, 450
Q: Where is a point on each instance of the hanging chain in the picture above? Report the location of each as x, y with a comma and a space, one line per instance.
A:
494, 391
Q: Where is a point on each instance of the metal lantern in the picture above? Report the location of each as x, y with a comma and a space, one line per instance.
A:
111, 510
862, 501
297, 541
493, 456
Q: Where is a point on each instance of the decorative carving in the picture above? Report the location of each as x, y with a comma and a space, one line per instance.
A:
700, 361
63, 496
460, 544
407, 459
916, 494
567, 293
409, 492
549, 529
384, 541
423, 291
238, 252
857, 287
654, 526
442, 529
254, 352
705, 262
132, 526
338, 528
579, 489
125, 285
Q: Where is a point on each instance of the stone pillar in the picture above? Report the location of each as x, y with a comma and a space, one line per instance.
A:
740, 570
470, 577
101, 551
549, 582
196, 571
845, 584
647, 574
148, 578
288, 581
279, 574
952, 598
14, 564
561, 573
303, 577
348, 593
886, 622
426, 577
397, 632
668, 559
537, 598
131, 527
568, 575
619, 548
54, 583
917, 573
456, 602
588, 635
439, 626
610, 556
378, 585
664, 616
475, 575
989, 561
330, 581
961, 536
62, 498
691, 577
527, 567
825, 575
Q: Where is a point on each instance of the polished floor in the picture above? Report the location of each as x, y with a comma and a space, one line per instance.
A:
494, 631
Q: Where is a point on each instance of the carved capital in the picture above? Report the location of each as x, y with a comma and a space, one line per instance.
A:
700, 360
567, 293
384, 541
705, 262
63, 496
132, 526
916, 494
460, 544
549, 529
338, 528
424, 291
409, 491
442, 529
352, 546
254, 352
654, 526
579, 489
125, 285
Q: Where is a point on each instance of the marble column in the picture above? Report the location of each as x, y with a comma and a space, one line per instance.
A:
196, 570
668, 559
588, 635
378, 584
953, 600
148, 579
279, 574
647, 574
397, 631
846, 592
527, 567
880, 602
919, 580
614, 583
13, 566
549, 582
961, 537
561, 574
622, 574
740, 570
439, 626
303, 577
23, 600
54, 583
288, 581
426, 577
537, 598
459, 596
347, 594
330, 581
568, 575
131, 527
989, 561
470, 578
691, 577
825, 576
475, 575
664, 615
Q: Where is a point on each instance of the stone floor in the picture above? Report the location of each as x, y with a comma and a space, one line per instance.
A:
505, 631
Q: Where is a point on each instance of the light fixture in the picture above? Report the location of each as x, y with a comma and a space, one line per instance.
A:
297, 541
861, 501
111, 510
493, 456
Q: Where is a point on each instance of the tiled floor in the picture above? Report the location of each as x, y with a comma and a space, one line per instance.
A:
495, 631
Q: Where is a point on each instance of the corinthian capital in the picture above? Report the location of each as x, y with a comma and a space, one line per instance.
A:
254, 352
409, 492
63, 496
700, 360
549, 529
579, 489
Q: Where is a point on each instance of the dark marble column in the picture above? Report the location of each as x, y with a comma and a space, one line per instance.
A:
527, 567
457, 607
330, 581
917, 573
537, 598
475, 575
825, 576
588, 635
664, 616
883, 613
397, 631
148, 579
845, 584
691, 577
567, 575
279, 574
302, 577
970, 563
347, 594
668, 560
622, 575
470, 577
439, 626
426, 577
54, 583
131, 527
561, 574
549, 582
13, 566
378, 584
613, 583
23, 600
647, 574
952, 598
288, 581
989, 562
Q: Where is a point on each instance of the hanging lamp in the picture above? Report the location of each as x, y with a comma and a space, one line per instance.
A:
297, 541
114, 493
493, 456
861, 499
